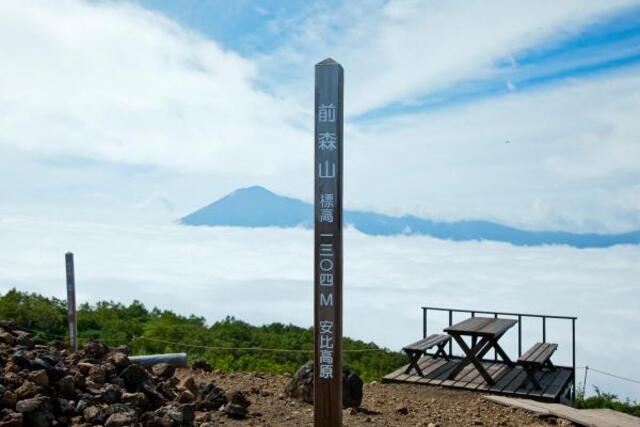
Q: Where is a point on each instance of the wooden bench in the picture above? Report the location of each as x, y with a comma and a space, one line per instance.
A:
418, 348
535, 359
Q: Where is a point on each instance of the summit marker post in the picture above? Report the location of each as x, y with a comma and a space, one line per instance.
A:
329, 87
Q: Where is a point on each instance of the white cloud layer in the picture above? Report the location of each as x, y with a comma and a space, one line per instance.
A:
264, 275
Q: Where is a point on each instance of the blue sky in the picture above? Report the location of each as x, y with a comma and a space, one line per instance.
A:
161, 107
253, 28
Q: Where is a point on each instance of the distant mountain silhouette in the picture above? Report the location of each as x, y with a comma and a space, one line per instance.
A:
258, 207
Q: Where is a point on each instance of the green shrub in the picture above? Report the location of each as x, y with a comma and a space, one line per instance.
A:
607, 400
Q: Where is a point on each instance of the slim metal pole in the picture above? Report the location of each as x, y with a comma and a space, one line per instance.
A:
519, 335
424, 322
71, 302
544, 329
495, 353
450, 323
573, 351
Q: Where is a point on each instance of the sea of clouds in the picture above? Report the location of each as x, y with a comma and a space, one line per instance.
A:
265, 275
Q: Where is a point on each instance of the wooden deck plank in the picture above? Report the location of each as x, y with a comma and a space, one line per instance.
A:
395, 373
586, 417
507, 378
527, 387
424, 364
442, 372
558, 384
476, 379
496, 371
433, 367
545, 381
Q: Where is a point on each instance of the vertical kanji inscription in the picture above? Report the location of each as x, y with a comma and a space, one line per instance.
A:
328, 114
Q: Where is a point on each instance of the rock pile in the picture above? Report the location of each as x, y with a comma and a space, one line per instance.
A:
43, 385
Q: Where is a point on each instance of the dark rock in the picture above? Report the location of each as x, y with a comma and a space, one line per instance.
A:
138, 400
119, 360
7, 338
21, 359
352, 389
211, 398
170, 415
27, 389
163, 370
300, 386
12, 419
66, 386
238, 406
29, 405
402, 410
39, 377
64, 407
84, 367
121, 419
93, 415
83, 404
95, 349
93, 387
134, 375
201, 364
123, 349
186, 397
155, 399
97, 374
110, 371
188, 412
8, 399
24, 339
111, 394
189, 383
37, 411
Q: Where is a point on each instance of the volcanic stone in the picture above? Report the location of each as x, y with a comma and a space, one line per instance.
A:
39, 377
238, 405
163, 370
133, 375
201, 364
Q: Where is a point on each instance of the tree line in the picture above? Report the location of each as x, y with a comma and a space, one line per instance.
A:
149, 331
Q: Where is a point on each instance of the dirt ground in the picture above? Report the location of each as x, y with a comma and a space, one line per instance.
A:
383, 405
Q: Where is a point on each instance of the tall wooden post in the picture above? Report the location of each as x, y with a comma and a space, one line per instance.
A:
328, 113
71, 302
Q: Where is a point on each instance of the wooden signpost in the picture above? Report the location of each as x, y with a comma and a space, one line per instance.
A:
71, 302
329, 85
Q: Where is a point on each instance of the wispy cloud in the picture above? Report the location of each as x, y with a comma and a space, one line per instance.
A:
402, 52
117, 83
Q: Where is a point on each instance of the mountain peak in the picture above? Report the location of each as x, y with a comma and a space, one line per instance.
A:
253, 206
253, 191
256, 206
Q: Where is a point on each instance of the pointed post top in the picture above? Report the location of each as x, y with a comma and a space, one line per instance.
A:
328, 61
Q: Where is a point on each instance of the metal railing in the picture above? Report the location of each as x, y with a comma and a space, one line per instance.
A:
520, 316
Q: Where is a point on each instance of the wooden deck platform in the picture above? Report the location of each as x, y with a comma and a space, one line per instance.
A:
555, 384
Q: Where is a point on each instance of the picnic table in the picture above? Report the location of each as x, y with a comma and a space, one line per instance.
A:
485, 333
